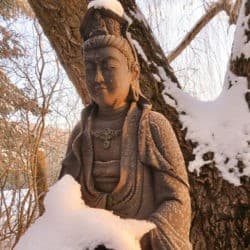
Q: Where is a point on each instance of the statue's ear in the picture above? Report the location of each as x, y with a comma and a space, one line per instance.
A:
135, 73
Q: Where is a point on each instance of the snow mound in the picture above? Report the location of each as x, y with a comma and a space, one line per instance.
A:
113, 5
68, 224
220, 127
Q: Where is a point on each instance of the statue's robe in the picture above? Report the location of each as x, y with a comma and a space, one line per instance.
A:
153, 182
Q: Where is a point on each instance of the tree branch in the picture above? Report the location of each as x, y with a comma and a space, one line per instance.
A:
210, 14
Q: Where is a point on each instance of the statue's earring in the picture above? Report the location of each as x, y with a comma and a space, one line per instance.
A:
133, 93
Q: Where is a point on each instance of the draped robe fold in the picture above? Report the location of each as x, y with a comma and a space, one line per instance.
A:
153, 181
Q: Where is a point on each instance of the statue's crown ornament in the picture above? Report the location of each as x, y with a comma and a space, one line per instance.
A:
101, 21
103, 25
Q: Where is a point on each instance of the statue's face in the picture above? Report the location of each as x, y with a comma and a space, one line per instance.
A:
108, 76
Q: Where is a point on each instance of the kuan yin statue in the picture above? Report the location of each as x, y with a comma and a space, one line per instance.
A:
124, 155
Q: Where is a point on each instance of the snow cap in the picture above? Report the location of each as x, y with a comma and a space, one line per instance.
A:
113, 5
103, 17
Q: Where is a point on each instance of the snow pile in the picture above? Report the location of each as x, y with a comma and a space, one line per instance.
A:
68, 224
113, 5
241, 45
220, 126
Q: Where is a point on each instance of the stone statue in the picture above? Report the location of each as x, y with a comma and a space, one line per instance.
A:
124, 155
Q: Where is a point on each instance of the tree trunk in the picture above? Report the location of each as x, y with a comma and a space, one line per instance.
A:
60, 21
219, 219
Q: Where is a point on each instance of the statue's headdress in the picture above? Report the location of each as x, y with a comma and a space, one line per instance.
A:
103, 25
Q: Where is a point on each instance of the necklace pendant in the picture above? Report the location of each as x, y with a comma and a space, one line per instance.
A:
107, 135
106, 144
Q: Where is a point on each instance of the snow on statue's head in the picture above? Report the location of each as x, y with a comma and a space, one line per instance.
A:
113, 5
104, 25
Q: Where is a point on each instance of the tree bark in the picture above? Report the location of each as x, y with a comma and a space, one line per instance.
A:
60, 21
220, 209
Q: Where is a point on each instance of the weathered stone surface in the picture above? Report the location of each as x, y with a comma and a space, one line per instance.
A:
220, 210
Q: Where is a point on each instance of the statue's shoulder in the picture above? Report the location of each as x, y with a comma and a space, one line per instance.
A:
157, 119
160, 127
80, 124
74, 133
156, 122
86, 111
77, 128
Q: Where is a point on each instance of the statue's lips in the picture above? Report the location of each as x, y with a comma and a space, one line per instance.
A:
100, 88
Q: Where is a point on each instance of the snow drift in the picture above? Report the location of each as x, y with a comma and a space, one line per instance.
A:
68, 224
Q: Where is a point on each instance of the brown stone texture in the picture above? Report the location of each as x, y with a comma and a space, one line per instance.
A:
220, 211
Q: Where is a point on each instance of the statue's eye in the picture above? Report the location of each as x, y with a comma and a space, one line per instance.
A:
90, 66
109, 66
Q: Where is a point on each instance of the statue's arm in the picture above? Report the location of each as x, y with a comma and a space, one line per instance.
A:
171, 189
70, 163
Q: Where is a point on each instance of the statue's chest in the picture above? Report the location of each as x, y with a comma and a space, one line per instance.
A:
107, 138
106, 149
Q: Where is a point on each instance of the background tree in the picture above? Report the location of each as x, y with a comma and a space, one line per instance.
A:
26, 90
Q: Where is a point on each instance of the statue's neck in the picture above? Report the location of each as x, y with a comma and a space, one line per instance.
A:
110, 113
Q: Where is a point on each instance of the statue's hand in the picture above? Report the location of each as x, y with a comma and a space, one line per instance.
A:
145, 242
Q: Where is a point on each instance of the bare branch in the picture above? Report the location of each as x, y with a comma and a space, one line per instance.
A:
211, 13
216, 8
12, 97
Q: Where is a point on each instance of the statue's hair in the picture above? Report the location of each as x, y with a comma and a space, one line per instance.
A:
117, 42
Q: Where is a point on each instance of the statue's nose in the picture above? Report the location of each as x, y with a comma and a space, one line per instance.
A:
99, 76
